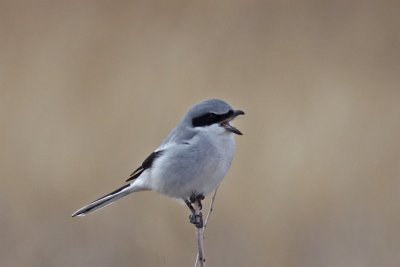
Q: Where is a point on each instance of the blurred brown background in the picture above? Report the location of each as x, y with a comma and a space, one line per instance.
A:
89, 88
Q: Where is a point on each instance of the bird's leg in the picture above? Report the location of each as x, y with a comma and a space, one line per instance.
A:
195, 218
193, 198
190, 206
197, 199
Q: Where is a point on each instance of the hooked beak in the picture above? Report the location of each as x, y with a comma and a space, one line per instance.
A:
229, 127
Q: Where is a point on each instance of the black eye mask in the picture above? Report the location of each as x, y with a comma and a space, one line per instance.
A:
210, 118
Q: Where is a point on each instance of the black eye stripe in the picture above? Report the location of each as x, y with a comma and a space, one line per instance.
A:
210, 118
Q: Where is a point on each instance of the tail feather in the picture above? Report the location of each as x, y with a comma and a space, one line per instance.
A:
105, 200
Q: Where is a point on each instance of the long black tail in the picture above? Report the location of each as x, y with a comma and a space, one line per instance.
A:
106, 200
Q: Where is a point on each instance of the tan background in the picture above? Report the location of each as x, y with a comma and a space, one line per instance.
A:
89, 88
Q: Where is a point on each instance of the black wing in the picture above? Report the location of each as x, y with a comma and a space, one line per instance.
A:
147, 163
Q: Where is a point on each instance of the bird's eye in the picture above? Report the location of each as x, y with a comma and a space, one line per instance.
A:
211, 116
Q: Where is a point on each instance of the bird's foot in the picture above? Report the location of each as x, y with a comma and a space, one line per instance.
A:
197, 220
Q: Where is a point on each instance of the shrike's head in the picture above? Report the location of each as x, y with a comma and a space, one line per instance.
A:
213, 114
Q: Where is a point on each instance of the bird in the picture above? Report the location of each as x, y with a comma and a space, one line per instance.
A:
189, 164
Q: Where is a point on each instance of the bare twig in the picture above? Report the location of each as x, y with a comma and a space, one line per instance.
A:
205, 224
199, 234
211, 207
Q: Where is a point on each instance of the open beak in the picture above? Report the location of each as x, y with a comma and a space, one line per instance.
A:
229, 127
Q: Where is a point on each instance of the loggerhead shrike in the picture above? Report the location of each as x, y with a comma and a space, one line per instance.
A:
190, 163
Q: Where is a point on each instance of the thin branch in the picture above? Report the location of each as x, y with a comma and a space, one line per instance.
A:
199, 234
211, 207
206, 221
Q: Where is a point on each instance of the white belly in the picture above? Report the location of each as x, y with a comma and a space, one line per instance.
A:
197, 168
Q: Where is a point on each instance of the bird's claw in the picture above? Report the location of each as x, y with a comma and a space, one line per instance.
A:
197, 220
